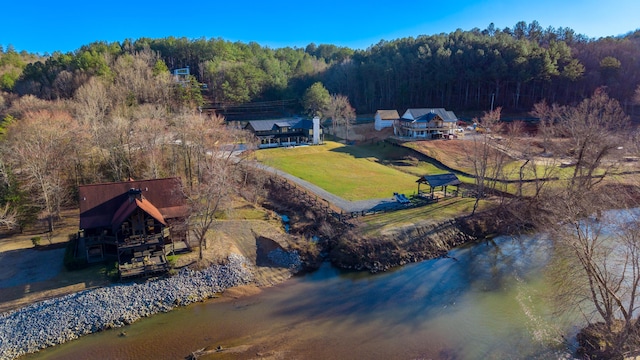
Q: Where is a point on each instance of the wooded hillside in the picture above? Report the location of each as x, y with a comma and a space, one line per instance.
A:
465, 70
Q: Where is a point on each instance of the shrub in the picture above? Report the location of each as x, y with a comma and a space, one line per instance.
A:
171, 260
36, 241
112, 271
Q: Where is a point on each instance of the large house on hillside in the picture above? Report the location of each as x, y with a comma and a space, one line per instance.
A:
131, 222
426, 123
286, 132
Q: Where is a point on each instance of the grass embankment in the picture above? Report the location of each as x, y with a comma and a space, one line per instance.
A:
443, 210
352, 172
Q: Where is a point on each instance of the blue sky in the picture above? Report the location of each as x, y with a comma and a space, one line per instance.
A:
46, 26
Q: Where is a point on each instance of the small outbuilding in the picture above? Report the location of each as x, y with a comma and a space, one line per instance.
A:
385, 118
438, 181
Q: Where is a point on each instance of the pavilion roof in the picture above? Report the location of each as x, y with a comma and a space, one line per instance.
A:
439, 180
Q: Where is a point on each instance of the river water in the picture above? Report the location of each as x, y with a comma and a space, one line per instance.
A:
487, 301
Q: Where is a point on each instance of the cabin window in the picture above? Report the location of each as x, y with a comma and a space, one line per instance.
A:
150, 226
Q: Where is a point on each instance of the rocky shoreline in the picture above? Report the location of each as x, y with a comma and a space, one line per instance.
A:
404, 245
55, 321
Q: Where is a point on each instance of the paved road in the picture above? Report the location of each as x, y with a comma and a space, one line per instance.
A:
345, 205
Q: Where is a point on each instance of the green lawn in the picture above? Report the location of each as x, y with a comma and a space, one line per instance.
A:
378, 170
367, 172
351, 172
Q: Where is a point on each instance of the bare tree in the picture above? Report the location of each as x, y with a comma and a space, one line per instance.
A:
341, 113
254, 183
487, 162
114, 139
548, 116
599, 267
149, 137
595, 128
599, 270
66, 83
191, 137
92, 102
38, 148
216, 151
8, 217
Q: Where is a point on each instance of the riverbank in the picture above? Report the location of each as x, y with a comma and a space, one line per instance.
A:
420, 241
55, 321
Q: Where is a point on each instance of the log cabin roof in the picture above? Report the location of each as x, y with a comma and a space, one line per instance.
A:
99, 203
128, 207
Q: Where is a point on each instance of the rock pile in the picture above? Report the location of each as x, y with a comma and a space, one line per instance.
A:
286, 259
56, 321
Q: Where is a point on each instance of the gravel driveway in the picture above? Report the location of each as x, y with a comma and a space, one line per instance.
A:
24, 266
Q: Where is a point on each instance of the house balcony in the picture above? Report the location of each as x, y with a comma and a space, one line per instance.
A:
283, 139
150, 239
422, 132
423, 126
129, 241
278, 133
99, 240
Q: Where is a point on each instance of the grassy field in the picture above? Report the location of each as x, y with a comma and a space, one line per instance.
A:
351, 172
378, 169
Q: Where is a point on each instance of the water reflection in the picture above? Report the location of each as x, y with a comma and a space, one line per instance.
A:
484, 302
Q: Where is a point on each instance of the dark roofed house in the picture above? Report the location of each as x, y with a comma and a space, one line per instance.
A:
286, 132
131, 222
426, 123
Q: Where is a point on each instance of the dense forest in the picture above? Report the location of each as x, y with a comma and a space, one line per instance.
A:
513, 68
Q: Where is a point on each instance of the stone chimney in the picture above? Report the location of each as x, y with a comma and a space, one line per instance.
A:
135, 194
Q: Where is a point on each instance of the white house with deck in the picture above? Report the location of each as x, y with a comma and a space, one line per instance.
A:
426, 123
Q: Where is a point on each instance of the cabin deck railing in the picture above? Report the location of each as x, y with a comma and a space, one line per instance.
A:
131, 241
